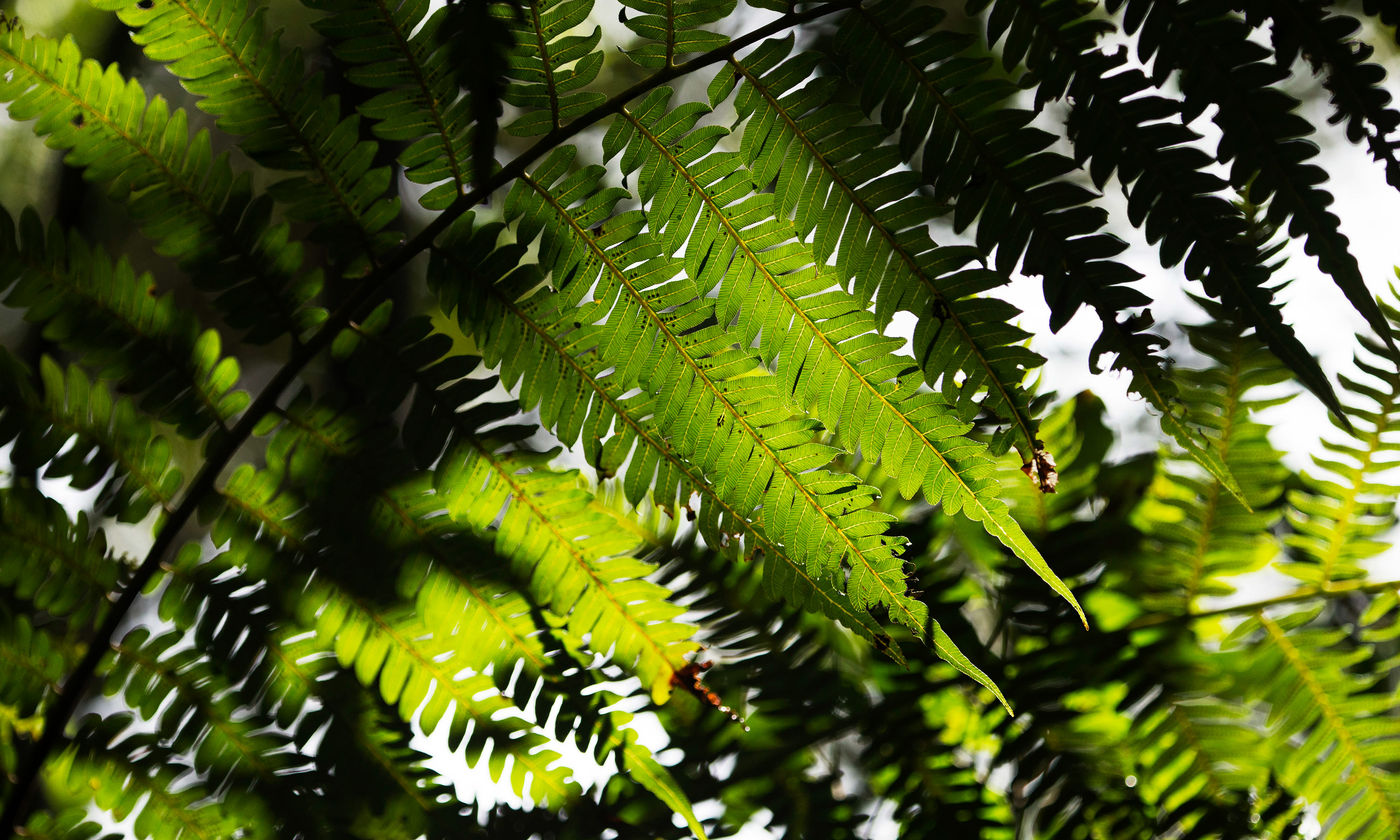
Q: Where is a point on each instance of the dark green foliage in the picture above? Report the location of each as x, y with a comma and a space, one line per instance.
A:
307, 494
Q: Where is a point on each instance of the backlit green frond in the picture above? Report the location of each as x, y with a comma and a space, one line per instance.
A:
61, 567
669, 29
76, 429
257, 89
846, 191
396, 48
152, 793
34, 665
1349, 501
528, 336
1333, 734
1209, 534
549, 68
829, 353
179, 193
1120, 126
710, 398
104, 311
578, 562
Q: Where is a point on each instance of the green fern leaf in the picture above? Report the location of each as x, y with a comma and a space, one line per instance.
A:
519, 334
256, 89
548, 68
1332, 735
987, 154
179, 193
1349, 502
397, 49
821, 160
670, 29
62, 567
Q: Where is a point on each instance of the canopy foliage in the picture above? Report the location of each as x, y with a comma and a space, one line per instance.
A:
483, 372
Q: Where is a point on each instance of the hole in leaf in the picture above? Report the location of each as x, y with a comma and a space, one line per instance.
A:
145, 4
78, 120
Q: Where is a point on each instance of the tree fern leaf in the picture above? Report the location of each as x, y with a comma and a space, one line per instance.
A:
1209, 534
182, 693
376, 644
1261, 138
709, 402
669, 29
178, 192
77, 430
399, 49
1049, 225
34, 664
1117, 125
829, 351
1327, 41
825, 180
1343, 733
256, 89
548, 68
578, 562
104, 310
62, 567
149, 793
575, 557
1350, 501
519, 333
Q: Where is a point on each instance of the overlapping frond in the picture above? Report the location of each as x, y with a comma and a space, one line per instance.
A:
179, 193
1349, 501
68, 426
1332, 731
1263, 139
260, 91
59, 566
669, 29
398, 49
828, 350
977, 148
548, 69
848, 193
718, 408
1209, 534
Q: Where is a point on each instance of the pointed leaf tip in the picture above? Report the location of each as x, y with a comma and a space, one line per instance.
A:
949, 652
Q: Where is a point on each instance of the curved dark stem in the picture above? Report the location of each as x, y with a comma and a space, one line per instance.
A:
223, 447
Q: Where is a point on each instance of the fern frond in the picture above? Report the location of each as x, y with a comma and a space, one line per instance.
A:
549, 69
528, 335
103, 310
256, 89
1118, 124
1208, 533
151, 792
1262, 138
397, 48
1326, 39
404, 655
710, 399
578, 561
77, 430
34, 664
182, 693
829, 351
1349, 502
669, 29
847, 192
59, 566
1332, 734
180, 194
994, 162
